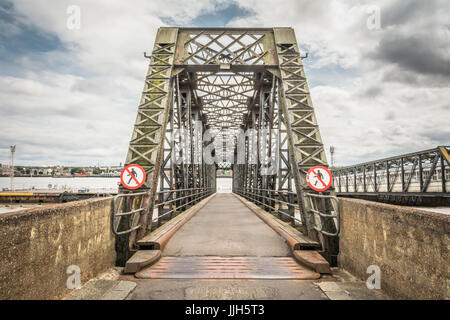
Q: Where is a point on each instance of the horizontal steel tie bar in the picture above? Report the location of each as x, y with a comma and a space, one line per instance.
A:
129, 212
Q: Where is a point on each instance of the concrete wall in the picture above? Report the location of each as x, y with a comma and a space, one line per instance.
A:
409, 245
37, 245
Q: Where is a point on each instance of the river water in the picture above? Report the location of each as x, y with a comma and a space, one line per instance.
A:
71, 184
93, 184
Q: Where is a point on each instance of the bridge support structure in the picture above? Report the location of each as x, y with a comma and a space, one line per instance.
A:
215, 96
417, 178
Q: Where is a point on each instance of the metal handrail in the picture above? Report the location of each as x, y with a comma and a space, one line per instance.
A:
336, 215
121, 214
117, 216
266, 205
115, 225
275, 197
180, 198
176, 199
245, 195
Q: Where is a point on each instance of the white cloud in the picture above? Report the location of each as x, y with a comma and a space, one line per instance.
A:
86, 112
52, 123
78, 105
398, 100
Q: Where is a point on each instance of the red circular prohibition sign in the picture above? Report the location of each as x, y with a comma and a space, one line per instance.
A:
127, 170
324, 181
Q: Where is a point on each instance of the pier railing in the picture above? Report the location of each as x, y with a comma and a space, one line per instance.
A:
283, 204
409, 178
168, 204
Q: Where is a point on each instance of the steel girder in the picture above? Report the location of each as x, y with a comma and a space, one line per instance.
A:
147, 143
305, 143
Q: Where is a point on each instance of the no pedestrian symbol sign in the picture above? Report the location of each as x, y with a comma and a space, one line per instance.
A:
319, 178
132, 176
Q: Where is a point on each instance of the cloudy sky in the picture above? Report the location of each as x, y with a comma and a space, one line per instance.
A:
69, 96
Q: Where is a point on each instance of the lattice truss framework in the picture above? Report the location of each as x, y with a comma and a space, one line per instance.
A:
225, 97
209, 47
228, 79
410, 174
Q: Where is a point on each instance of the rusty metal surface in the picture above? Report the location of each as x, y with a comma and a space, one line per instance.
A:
213, 267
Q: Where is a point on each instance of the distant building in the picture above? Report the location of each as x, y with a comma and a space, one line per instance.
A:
4, 170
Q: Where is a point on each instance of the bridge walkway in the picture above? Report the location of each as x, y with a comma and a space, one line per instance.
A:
226, 227
226, 252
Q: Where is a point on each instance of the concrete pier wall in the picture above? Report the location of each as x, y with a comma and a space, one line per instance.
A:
409, 245
38, 245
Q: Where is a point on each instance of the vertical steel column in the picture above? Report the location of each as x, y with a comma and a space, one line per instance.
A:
443, 182
254, 154
419, 157
375, 182
272, 151
387, 176
364, 178
305, 143
285, 176
179, 148
166, 181
147, 140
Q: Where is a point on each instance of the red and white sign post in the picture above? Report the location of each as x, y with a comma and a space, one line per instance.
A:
132, 176
319, 178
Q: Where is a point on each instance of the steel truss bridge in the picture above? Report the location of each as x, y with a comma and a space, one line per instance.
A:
205, 90
419, 178
224, 81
